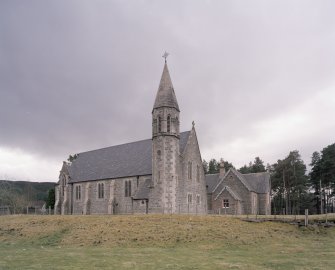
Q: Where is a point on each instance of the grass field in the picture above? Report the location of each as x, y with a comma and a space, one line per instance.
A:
161, 242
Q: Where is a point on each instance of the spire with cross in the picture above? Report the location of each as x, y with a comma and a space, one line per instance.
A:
165, 55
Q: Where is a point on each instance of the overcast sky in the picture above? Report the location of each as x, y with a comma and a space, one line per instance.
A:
257, 77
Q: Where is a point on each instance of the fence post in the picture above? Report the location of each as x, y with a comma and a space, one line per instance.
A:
306, 217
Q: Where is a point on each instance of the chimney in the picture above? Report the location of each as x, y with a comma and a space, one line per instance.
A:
222, 169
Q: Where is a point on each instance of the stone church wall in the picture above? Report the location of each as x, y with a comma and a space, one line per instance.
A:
116, 203
195, 187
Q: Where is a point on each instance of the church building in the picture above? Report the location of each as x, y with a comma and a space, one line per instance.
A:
163, 174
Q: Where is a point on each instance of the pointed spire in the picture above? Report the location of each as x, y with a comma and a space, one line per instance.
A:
165, 96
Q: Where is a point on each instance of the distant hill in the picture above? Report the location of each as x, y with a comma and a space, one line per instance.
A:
19, 194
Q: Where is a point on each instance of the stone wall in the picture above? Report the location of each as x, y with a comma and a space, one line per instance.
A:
235, 184
194, 186
113, 201
264, 204
234, 205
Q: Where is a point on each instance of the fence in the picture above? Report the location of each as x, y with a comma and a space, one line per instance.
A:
28, 210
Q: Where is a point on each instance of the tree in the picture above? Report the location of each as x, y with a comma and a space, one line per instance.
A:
9, 196
205, 166
213, 166
322, 178
255, 167
50, 201
289, 184
258, 165
227, 165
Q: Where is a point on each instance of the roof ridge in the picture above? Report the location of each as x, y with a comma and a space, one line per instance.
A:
122, 144
253, 173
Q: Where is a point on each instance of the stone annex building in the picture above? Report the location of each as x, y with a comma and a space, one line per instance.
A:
163, 174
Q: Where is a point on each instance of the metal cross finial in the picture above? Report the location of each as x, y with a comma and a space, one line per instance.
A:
193, 124
165, 55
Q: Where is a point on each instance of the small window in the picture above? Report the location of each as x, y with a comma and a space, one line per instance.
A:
225, 203
168, 123
78, 193
198, 199
101, 190
189, 198
189, 170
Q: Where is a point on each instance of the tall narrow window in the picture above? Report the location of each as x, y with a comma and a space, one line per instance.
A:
198, 173
101, 190
78, 193
198, 199
189, 170
127, 188
189, 198
168, 123
159, 124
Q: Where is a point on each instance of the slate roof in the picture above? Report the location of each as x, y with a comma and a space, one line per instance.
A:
130, 159
211, 181
166, 96
257, 182
143, 190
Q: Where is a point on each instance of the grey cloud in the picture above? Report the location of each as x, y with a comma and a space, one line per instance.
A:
77, 75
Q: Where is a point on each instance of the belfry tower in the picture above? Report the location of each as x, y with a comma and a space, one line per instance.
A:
165, 147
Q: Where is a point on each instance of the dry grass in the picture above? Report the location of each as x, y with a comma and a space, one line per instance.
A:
162, 241
151, 230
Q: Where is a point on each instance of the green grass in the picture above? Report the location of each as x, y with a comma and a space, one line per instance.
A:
160, 242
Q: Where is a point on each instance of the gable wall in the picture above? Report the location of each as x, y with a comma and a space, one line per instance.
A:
232, 181
191, 186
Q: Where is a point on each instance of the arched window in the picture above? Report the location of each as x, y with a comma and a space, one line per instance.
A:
159, 124
101, 190
78, 193
127, 188
168, 123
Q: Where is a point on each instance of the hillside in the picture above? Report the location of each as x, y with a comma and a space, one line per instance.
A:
162, 242
19, 194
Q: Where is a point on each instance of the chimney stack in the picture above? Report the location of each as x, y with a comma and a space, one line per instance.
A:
222, 169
